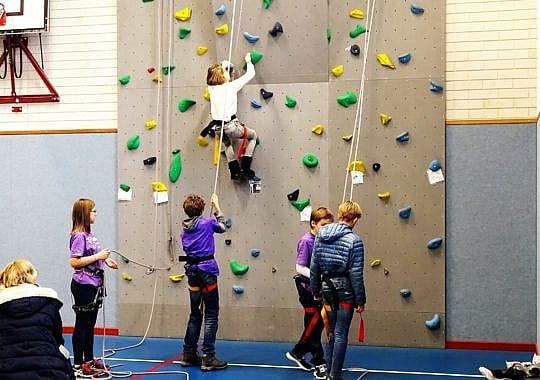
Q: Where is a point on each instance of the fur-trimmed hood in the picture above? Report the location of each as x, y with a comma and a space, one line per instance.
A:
38, 294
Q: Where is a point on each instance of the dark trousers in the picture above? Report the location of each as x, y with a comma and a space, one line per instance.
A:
310, 341
204, 302
85, 321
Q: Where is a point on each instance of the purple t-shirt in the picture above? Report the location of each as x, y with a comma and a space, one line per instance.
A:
304, 249
198, 241
83, 244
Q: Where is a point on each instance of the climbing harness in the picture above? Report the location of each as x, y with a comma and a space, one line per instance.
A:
95, 304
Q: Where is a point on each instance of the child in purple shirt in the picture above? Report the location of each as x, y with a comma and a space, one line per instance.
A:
310, 341
202, 271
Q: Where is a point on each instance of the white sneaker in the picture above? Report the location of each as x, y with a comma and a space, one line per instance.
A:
320, 372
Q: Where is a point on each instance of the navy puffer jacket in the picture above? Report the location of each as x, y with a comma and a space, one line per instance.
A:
31, 335
339, 251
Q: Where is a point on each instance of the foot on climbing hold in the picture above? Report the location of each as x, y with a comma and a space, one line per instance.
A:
183, 32
404, 58
376, 166
318, 129
434, 323
222, 29
237, 268
347, 137
124, 79
435, 87
310, 160
300, 205
405, 213
434, 165
238, 289
294, 195
221, 10
277, 29
201, 50
185, 104
417, 9
356, 166
183, 14
159, 186
357, 31
356, 13
385, 119
385, 60
266, 94
402, 137
355, 50
251, 38
133, 142
175, 169
347, 99
405, 293
375, 263
434, 243
338, 70
150, 161
150, 124
290, 102
176, 277
384, 196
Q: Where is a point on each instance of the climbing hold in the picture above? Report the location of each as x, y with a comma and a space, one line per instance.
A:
175, 169
221, 10
338, 70
126, 276
147, 1
266, 94
290, 102
355, 49
434, 323
125, 187
385, 60
183, 14
404, 58
386, 271
201, 50
176, 277
385, 119
356, 13
375, 263
347, 137
435, 87
403, 137
237, 268
267, 3
151, 69
157, 78
202, 141
133, 142
228, 223
150, 124
206, 94
256, 56
183, 32
274, 269
251, 38
238, 289
159, 186
167, 69
255, 252
376, 166
347, 99
278, 28
328, 34
417, 9
185, 104
124, 79
228, 241
256, 104
294, 195
222, 29
434, 243
434, 165
356, 166
405, 213
384, 196
358, 30
310, 160
150, 161
405, 293
301, 205
318, 129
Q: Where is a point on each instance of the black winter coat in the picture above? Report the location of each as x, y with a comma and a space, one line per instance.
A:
31, 334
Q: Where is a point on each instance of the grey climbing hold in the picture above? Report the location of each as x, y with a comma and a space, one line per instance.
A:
256, 104
238, 289
251, 38
434, 323
417, 9
221, 10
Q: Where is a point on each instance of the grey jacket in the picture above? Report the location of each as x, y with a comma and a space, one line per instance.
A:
339, 253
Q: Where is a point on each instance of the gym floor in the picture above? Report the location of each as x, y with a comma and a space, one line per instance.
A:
157, 358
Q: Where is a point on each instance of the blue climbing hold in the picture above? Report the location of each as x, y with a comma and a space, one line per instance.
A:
405, 293
403, 137
417, 9
404, 58
238, 289
228, 222
251, 38
405, 213
221, 10
434, 165
255, 252
434, 243
256, 104
435, 87
434, 323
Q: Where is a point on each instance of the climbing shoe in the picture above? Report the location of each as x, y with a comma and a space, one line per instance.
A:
210, 363
190, 359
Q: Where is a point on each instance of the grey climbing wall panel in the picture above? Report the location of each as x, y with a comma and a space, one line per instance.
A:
296, 63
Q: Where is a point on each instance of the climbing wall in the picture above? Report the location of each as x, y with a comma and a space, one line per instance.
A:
294, 64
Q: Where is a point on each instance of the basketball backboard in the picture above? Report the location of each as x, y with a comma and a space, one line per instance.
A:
24, 16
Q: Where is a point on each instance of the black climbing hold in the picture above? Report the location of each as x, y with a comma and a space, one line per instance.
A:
355, 49
294, 195
228, 241
266, 94
376, 166
278, 28
150, 160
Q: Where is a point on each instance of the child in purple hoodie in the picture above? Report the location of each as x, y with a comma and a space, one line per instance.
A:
202, 271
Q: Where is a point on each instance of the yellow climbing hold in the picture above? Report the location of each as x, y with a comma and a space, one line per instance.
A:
150, 124
384, 195
183, 14
338, 70
385, 119
126, 276
356, 166
318, 129
201, 50
222, 29
347, 137
176, 277
385, 60
202, 141
356, 13
206, 94
375, 263
157, 78
159, 186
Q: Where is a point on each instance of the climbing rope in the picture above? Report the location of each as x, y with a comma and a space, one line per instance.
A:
150, 268
360, 105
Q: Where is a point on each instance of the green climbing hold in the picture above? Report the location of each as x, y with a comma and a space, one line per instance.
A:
125, 187
357, 31
183, 32
237, 268
185, 104
147, 1
347, 99
175, 169
167, 69
267, 3
328, 34
133, 142
124, 80
301, 204
310, 160
290, 102
256, 56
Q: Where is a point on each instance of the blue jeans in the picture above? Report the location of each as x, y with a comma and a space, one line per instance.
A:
204, 301
339, 323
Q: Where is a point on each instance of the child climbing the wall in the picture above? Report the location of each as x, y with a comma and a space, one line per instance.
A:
202, 270
223, 106
310, 340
